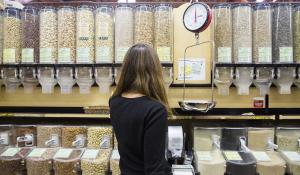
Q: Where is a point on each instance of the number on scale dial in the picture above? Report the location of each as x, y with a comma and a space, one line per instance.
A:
197, 17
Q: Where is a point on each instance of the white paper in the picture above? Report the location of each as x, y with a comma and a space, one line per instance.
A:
63, 153
204, 155
293, 156
194, 69
37, 152
10, 152
232, 155
90, 154
261, 156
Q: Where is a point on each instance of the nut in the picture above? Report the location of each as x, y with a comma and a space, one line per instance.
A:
66, 35
98, 166
124, 31
95, 136
69, 134
67, 166
48, 36
44, 134
12, 38
40, 165
85, 35
144, 25
104, 37
114, 163
242, 34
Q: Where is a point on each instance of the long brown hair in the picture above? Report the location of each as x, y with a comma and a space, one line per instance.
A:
142, 73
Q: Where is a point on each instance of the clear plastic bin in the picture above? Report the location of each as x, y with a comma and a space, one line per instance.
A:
269, 163
206, 138
144, 25
167, 76
66, 20
49, 136
282, 34
84, 79
242, 33
95, 162
114, 163
223, 33
292, 162
261, 139
104, 78
30, 37
10, 79
210, 162
12, 161
65, 79
163, 32
74, 136
238, 163
39, 161
25, 135
243, 79
124, 29
85, 33
1, 36
29, 79
67, 161
12, 36
296, 32
6, 136
264, 79
99, 137
104, 24
288, 139
262, 33
230, 138
46, 76
223, 79
285, 79
48, 35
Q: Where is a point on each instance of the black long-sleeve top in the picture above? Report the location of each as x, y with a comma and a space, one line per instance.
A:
140, 125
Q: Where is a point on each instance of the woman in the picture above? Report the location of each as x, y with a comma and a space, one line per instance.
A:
139, 111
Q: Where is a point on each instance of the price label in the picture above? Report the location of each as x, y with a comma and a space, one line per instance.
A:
64, 55
264, 55
232, 155
286, 54
28, 55
204, 155
293, 156
261, 156
10, 152
224, 55
121, 52
244, 55
103, 55
164, 54
9, 56
90, 154
83, 55
37, 152
46, 55
63, 153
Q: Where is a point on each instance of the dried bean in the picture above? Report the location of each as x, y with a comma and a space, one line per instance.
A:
95, 136
98, 166
114, 163
67, 166
144, 25
69, 134
44, 134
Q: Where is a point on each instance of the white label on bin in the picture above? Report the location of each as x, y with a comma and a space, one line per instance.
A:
244, 55
90, 154
46, 55
9, 56
293, 156
224, 54
164, 54
286, 54
10, 152
63, 153
64, 55
204, 155
103, 55
232, 155
27, 55
115, 155
83, 55
264, 55
261, 156
37, 152
121, 52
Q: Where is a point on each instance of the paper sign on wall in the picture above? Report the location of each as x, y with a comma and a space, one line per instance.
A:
195, 69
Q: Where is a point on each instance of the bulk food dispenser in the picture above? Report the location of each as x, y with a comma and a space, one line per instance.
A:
6, 136
285, 79
208, 157
25, 135
28, 78
104, 78
65, 79
84, 79
46, 76
49, 136
11, 79
74, 136
261, 144
239, 159
288, 146
223, 46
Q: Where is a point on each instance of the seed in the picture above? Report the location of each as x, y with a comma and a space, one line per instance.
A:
44, 134
282, 34
262, 34
223, 33
104, 22
123, 31
85, 35
163, 34
66, 35
69, 134
242, 33
67, 166
96, 135
40, 165
98, 166
144, 25
48, 35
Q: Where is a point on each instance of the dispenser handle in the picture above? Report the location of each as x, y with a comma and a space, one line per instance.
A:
271, 144
216, 141
243, 144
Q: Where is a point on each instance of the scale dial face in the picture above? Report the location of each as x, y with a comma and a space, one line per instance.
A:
197, 17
